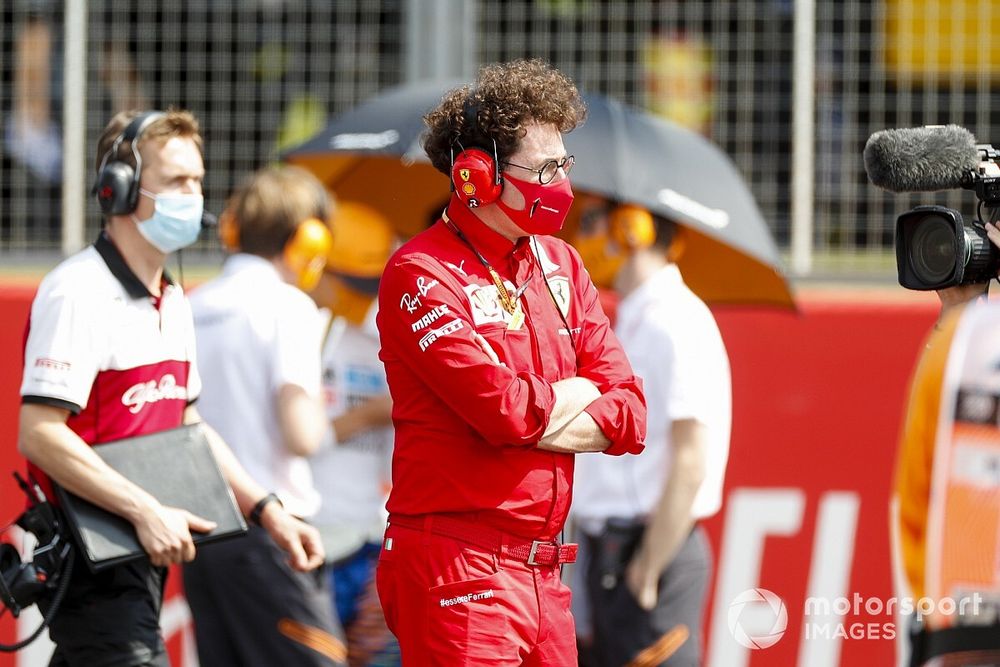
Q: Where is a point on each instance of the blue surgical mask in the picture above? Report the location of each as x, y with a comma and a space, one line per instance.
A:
176, 220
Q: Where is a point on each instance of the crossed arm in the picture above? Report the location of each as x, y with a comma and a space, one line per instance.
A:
570, 428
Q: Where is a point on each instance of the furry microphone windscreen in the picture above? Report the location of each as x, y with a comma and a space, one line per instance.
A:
921, 159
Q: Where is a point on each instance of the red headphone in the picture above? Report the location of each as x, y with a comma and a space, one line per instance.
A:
475, 176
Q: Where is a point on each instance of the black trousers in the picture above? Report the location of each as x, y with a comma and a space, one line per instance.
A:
251, 608
622, 629
111, 618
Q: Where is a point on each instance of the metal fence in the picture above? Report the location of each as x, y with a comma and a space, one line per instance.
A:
262, 74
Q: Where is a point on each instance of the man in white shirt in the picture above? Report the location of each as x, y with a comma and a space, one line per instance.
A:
109, 354
258, 341
649, 561
352, 469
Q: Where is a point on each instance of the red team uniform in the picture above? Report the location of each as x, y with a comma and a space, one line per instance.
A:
469, 567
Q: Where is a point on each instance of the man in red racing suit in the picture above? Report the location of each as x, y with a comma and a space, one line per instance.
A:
502, 366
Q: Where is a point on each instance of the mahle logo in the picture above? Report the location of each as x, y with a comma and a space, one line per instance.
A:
757, 618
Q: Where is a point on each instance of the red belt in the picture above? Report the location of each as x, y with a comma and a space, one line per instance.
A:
536, 552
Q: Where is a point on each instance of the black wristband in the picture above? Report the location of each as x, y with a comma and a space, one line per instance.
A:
258, 509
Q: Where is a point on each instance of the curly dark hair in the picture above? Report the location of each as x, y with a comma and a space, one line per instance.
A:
504, 100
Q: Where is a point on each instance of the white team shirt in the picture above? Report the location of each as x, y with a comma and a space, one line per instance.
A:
256, 333
674, 345
100, 345
354, 475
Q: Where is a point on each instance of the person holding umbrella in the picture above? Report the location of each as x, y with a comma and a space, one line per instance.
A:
501, 366
649, 566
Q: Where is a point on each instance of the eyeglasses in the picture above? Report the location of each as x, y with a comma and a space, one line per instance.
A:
549, 169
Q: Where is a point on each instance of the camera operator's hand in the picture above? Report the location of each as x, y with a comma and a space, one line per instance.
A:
954, 297
165, 533
993, 232
295, 537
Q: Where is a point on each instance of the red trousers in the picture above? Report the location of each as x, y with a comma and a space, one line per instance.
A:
450, 603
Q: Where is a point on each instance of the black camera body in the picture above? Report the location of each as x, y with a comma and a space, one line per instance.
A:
22, 584
937, 248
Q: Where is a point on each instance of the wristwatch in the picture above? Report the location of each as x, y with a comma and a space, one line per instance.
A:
258, 509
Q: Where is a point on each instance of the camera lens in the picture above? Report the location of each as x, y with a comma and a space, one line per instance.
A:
932, 249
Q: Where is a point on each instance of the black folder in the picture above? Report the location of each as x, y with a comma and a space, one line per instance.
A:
177, 468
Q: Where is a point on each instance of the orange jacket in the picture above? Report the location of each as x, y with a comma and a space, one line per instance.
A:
916, 450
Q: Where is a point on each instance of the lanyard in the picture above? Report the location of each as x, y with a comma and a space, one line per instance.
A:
508, 302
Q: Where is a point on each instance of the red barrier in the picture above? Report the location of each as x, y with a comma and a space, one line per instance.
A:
14, 305
817, 402
817, 405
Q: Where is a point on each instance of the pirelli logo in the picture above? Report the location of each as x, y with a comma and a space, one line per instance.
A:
54, 364
431, 336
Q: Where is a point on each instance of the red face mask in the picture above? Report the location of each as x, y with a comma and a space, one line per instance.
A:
546, 206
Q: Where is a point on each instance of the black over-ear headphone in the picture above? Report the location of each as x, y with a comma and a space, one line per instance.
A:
117, 184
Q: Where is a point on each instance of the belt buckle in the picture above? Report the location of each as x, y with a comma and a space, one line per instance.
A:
534, 550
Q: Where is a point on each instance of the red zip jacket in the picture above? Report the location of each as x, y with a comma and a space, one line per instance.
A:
467, 428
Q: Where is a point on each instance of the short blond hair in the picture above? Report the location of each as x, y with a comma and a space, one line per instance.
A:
174, 123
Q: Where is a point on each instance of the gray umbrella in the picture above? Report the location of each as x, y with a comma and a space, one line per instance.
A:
373, 154
634, 157
388, 125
